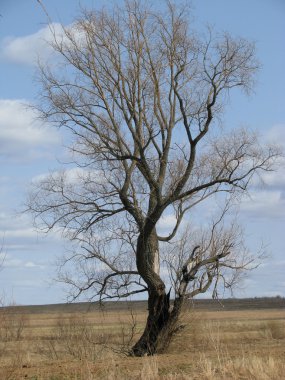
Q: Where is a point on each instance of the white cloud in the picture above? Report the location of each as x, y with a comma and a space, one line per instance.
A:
30, 49
20, 133
265, 204
275, 179
27, 49
11, 222
22, 233
19, 235
8, 261
167, 222
31, 264
267, 197
276, 134
73, 176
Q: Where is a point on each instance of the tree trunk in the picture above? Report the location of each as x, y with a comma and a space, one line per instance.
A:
158, 316
161, 322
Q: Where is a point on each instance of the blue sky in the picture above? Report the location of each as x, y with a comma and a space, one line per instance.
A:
29, 149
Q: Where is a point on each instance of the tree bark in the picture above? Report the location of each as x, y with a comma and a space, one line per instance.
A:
160, 323
158, 316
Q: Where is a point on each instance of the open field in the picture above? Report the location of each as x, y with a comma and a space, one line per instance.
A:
243, 340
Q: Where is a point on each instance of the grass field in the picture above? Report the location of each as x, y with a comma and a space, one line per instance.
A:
240, 341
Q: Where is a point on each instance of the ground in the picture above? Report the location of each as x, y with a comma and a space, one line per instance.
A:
240, 340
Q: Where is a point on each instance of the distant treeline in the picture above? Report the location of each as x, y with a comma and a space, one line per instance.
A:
198, 304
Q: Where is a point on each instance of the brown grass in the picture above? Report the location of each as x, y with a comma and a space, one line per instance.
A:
85, 346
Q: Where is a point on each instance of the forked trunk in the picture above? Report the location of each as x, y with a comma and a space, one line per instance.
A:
161, 325
161, 320
158, 317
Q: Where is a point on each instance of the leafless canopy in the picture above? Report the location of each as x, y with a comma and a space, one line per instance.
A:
142, 94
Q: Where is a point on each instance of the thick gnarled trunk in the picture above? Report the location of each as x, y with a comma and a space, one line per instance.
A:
157, 320
161, 320
161, 325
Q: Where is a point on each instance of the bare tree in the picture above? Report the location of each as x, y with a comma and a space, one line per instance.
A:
141, 95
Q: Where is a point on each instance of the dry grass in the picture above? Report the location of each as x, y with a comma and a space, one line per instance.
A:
214, 345
243, 362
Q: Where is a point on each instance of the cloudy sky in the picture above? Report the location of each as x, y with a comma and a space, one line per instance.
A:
29, 149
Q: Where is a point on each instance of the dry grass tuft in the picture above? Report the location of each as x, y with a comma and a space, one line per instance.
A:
224, 364
248, 367
74, 338
275, 329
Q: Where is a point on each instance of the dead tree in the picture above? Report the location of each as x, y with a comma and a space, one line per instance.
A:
141, 95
